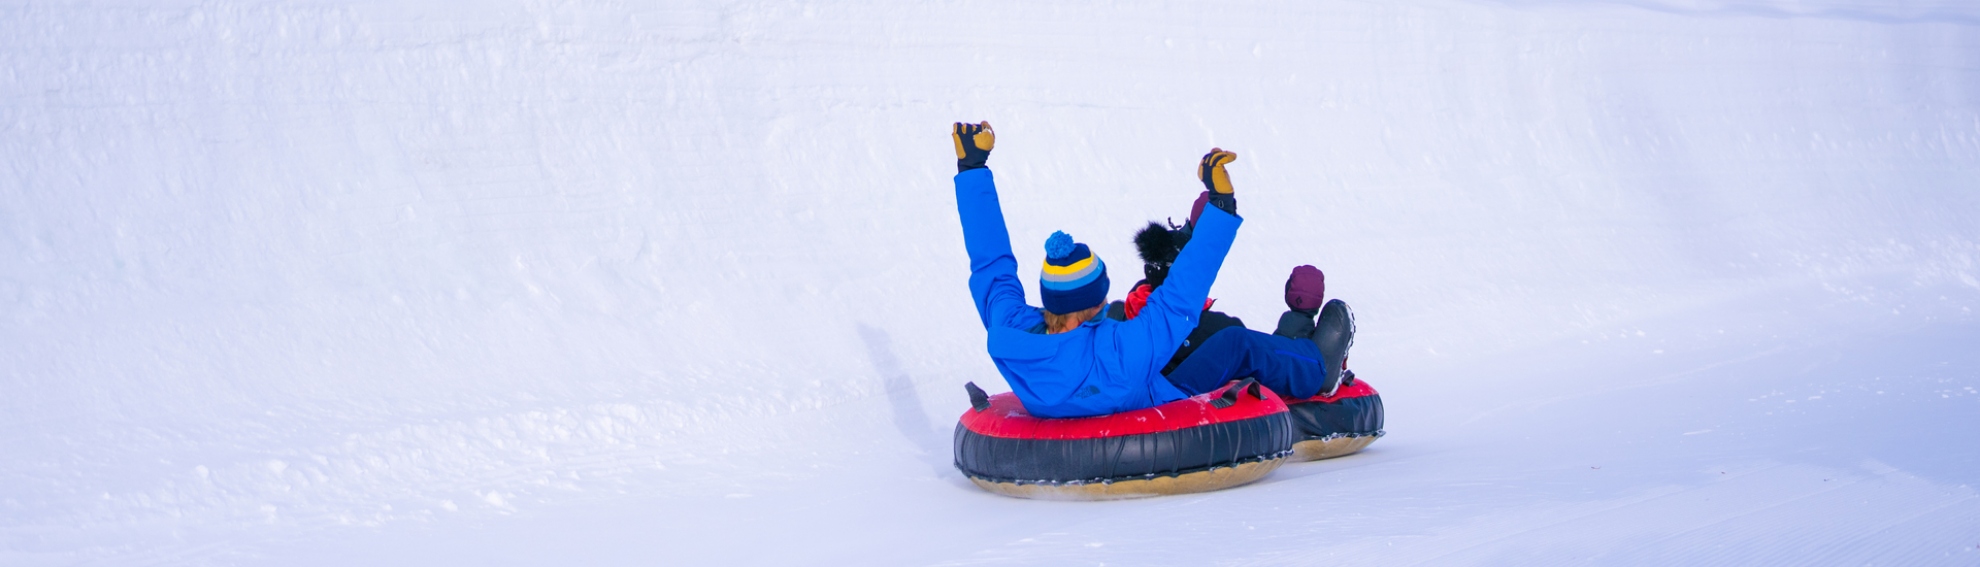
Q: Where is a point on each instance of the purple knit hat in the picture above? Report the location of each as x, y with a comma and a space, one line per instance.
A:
1307, 289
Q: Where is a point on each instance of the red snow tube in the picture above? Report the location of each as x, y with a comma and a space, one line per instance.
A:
1225, 438
1336, 425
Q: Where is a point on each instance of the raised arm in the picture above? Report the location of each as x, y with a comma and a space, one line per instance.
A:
1178, 302
993, 280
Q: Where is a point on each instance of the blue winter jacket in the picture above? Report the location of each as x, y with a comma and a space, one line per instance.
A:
1104, 366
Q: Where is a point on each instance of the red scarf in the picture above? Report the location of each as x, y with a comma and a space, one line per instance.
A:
1139, 297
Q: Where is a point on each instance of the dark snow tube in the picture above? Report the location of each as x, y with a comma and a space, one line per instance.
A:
1225, 438
1341, 424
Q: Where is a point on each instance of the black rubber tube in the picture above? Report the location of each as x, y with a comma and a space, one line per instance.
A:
1102, 459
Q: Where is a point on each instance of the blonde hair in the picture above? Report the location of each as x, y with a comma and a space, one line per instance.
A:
1056, 323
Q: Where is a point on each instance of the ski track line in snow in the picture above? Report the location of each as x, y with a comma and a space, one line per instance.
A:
1574, 518
1663, 380
1845, 544
1722, 514
1947, 14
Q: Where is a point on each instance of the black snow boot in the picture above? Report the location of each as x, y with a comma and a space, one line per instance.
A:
1334, 334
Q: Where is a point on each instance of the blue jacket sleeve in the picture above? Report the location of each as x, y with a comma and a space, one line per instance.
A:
993, 279
1174, 308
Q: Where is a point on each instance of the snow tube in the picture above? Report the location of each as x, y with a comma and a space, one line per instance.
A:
1225, 438
1336, 425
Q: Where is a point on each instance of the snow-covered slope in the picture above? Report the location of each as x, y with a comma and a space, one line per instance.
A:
433, 283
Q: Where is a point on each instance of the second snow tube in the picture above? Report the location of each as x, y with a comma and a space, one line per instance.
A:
1336, 425
1228, 437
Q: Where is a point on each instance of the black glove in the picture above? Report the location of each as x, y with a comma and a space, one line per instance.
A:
973, 144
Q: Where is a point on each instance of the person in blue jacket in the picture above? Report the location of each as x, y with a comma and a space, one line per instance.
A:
1065, 361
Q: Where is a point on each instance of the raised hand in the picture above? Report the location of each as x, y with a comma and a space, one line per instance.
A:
973, 144
1216, 184
1211, 170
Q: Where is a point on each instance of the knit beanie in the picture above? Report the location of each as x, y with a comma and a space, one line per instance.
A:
1073, 279
1306, 289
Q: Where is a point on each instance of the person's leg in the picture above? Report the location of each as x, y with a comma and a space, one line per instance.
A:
1288, 366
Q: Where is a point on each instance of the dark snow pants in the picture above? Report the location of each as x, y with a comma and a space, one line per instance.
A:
1288, 366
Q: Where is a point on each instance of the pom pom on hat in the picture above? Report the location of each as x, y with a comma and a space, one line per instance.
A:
1059, 245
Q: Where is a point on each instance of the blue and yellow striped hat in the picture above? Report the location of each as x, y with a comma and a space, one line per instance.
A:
1074, 279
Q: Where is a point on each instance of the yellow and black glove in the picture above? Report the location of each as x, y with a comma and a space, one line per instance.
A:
973, 144
1211, 171
1217, 191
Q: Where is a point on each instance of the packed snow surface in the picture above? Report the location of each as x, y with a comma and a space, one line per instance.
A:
1659, 282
